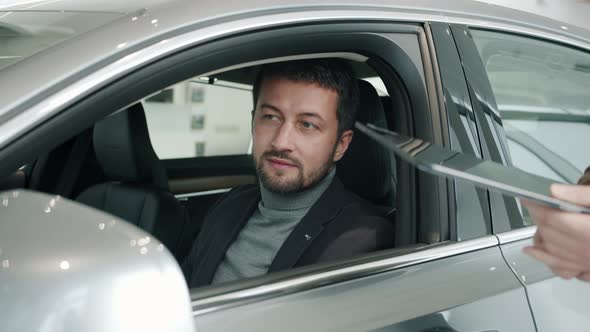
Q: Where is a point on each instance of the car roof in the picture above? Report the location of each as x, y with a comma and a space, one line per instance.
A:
146, 22
195, 10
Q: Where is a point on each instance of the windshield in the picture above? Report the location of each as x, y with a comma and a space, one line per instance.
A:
23, 34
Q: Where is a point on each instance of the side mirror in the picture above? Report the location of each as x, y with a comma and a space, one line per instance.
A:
68, 267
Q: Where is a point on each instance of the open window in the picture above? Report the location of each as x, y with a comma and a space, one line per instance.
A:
198, 102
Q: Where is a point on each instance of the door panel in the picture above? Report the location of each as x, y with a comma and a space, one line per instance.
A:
474, 291
557, 304
193, 185
485, 316
17, 179
194, 175
502, 68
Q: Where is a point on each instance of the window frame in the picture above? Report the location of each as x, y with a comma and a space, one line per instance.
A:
461, 121
97, 105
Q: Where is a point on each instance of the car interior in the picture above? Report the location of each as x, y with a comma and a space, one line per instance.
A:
112, 167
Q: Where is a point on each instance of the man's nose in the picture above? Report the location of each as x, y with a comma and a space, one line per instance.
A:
283, 139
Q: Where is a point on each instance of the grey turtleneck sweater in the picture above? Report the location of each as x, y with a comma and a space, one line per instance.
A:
265, 232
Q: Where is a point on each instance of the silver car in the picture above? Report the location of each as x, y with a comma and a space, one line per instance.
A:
80, 251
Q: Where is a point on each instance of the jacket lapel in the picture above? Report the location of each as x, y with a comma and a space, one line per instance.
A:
327, 207
230, 221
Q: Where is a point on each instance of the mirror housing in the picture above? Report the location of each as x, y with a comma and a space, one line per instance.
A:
68, 267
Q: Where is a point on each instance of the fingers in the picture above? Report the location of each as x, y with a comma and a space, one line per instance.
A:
538, 212
572, 193
567, 274
553, 262
537, 240
585, 276
574, 225
560, 245
562, 240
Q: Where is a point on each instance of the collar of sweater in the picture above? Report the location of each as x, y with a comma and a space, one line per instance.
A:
295, 201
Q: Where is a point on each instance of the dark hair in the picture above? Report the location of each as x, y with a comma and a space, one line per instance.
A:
333, 74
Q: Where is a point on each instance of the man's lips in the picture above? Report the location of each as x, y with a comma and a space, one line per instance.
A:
280, 163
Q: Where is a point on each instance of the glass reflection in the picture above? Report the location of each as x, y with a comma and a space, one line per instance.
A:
143, 241
64, 265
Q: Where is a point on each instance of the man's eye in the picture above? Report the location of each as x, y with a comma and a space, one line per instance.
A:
269, 116
308, 125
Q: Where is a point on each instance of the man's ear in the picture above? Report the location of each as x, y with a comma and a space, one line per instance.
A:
252, 120
343, 143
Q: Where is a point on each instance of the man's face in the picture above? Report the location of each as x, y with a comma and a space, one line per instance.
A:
295, 134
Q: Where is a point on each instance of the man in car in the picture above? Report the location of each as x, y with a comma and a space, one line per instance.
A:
299, 213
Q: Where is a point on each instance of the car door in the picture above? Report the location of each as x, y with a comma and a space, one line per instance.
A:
538, 114
460, 284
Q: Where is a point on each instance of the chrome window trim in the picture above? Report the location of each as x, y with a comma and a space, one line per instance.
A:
202, 193
517, 235
262, 291
24, 121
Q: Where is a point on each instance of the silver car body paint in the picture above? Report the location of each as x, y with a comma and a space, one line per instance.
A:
557, 304
68, 267
403, 299
174, 25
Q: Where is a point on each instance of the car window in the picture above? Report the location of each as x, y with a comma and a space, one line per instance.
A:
541, 91
521, 155
205, 117
200, 117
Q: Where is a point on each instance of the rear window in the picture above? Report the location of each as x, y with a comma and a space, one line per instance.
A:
541, 89
23, 34
201, 117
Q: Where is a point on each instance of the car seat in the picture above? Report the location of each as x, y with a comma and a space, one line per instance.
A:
366, 167
138, 188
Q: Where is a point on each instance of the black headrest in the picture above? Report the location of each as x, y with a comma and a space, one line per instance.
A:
124, 150
365, 168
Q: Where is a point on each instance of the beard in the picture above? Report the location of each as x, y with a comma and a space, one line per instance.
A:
277, 182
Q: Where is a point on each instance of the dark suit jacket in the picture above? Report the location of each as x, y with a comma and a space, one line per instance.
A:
339, 225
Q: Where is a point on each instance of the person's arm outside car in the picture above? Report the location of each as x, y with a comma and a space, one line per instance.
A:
562, 240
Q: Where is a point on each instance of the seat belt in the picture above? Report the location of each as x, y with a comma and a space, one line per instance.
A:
73, 165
